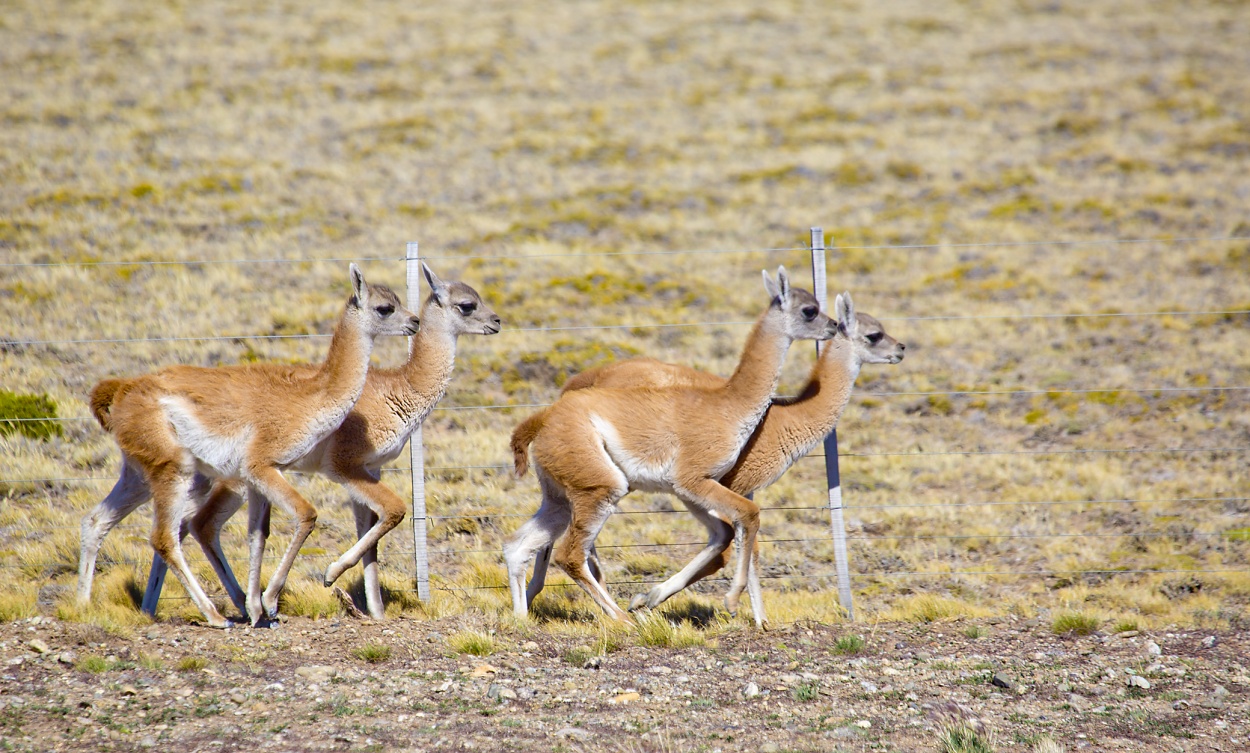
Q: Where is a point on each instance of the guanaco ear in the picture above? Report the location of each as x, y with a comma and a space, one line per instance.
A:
780, 289
844, 311
360, 288
437, 286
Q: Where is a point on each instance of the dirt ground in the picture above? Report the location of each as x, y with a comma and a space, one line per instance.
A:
306, 685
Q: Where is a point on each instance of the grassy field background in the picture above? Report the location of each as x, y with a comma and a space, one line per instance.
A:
975, 160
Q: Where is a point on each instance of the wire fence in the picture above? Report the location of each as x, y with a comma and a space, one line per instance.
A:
403, 547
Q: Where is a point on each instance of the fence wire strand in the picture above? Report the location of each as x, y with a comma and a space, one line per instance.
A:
398, 549
680, 252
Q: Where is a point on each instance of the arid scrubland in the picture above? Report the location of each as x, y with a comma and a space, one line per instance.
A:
174, 178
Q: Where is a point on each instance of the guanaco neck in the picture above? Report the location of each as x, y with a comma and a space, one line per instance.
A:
431, 359
759, 369
342, 375
793, 427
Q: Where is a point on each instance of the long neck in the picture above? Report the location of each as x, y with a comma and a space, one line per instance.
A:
759, 369
347, 364
431, 359
793, 427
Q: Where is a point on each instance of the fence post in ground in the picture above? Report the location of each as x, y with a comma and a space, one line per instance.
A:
832, 476
416, 448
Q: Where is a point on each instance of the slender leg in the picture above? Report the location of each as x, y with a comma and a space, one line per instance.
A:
222, 501
156, 584
269, 482
535, 535
367, 490
745, 515
171, 489
592, 564
365, 520
573, 552
130, 491
258, 508
710, 559
539, 578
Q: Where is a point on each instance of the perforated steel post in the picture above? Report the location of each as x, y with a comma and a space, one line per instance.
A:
416, 448
832, 477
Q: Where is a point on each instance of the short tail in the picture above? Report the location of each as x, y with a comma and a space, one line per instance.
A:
102, 397
522, 436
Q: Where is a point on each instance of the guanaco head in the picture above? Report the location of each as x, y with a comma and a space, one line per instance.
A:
379, 306
467, 313
801, 311
867, 336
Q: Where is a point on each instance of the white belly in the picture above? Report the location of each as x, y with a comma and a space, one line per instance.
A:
217, 455
639, 474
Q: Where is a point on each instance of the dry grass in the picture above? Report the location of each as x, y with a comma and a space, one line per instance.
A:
473, 642
513, 132
963, 738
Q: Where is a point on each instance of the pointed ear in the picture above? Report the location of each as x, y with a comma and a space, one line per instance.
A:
437, 286
359, 288
778, 290
844, 311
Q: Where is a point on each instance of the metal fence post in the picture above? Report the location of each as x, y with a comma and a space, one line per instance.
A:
416, 448
832, 477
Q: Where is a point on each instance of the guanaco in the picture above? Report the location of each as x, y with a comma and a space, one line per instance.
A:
393, 404
596, 445
790, 429
246, 422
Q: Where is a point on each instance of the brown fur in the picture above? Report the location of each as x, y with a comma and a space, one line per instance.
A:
180, 422
393, 403
791, 427
595, 445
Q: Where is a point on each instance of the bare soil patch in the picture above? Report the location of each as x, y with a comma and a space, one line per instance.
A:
301, 686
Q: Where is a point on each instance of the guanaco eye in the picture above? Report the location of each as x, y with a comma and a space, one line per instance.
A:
466, 308
810, 312
385, 309
875, 338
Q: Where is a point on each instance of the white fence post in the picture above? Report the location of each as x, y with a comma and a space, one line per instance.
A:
416, 448
832, 477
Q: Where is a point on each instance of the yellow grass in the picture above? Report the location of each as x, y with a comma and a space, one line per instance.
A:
18, 604
930, 608
542, 142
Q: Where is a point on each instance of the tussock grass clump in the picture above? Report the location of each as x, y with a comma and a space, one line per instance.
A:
656, 631
93, 663
373, 653
963, 738
1125, 624
305, 598
1074, 623
22, 414
808, 691
192, 664
562, 605
473, 642
18, 604
849, 645
114, 606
